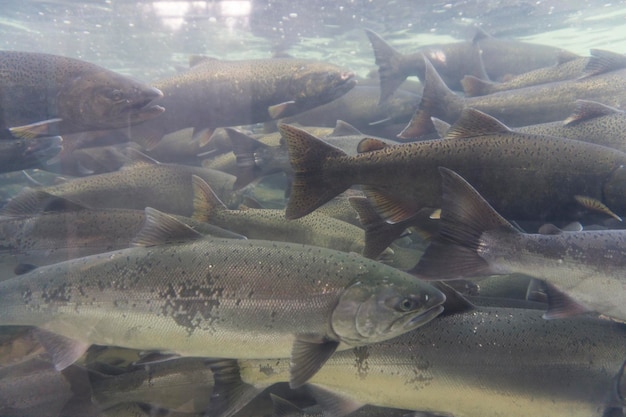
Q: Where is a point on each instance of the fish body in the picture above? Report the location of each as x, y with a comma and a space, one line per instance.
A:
137, 186
590, 122
36, 388
587, 266
486, 362
183, 384
315, 229
523, 106
360, 108
525, 177
18, 154
217, 93
484, 57
72, 95
43, 238
570, 69
192, 296
269, 154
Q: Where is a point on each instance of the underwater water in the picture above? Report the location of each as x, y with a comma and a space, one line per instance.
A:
280, 208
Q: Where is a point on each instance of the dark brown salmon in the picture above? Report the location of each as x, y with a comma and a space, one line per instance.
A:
528, 177
605, 83
68, 95
216, 93
484, 57
590, 122
360, 108
567, 70
18, 154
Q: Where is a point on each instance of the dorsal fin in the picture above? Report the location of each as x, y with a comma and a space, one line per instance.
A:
455, 302
160, 228
205, 202
371, 144
475, 123
602, 61
344, 129
480, 35
565, 56
198, 59
586, 110
549, 229
440, 126
35, 202
138, 158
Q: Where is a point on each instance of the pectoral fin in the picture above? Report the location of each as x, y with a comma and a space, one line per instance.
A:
277, 110
596, 205
307, 357
560, 305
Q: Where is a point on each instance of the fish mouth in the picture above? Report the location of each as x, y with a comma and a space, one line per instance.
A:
424, 317
144, 109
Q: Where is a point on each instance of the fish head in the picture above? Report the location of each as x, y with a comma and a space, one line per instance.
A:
316, 83
373, 309
107, 100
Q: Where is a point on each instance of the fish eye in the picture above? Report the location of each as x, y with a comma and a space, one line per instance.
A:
116, 95
406, 304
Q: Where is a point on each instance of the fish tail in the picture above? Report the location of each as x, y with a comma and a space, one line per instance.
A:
245, 148
437, 101
378, 233
390, 65
205, 202
230, 393
465, 216
474, 86
312, 185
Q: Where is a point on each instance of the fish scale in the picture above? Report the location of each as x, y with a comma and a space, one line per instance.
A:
486, 362
526, 177
218, 298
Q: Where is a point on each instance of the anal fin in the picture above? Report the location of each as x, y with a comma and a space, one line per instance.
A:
63, 350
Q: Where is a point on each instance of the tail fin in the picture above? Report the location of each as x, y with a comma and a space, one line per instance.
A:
465, 216
245, 149
230, 393
378, 233
312, 186
390, 65
438, 101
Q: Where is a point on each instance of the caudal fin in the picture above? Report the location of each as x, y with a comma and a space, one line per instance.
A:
312, 185
437, 101
465, 216
390, 65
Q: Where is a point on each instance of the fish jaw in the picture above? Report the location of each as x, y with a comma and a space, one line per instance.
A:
371, 312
